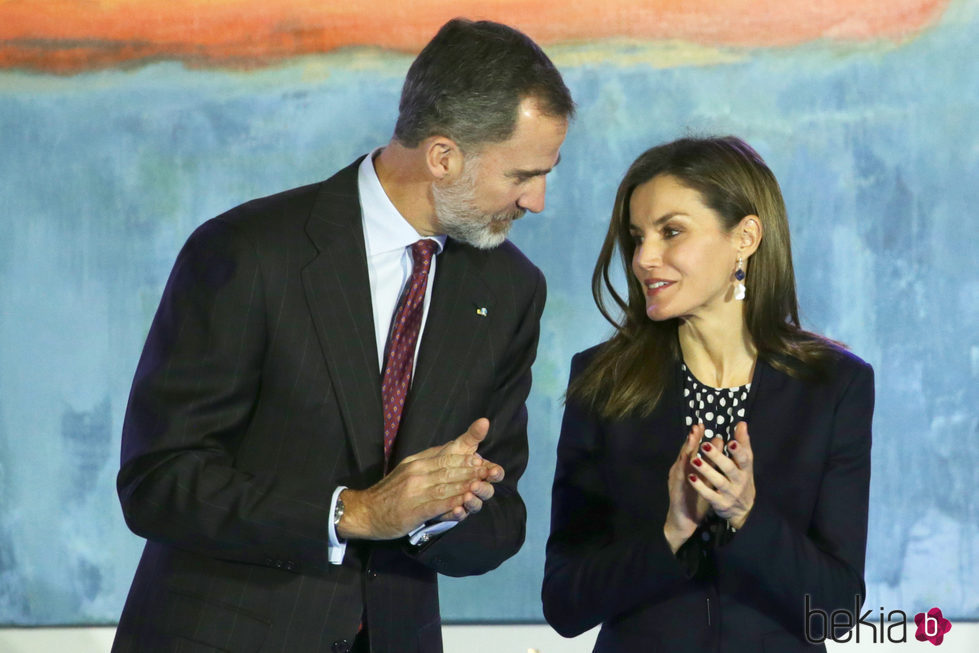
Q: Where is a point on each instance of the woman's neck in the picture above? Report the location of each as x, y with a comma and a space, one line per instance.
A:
717, 354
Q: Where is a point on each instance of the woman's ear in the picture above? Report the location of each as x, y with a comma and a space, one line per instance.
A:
749, 235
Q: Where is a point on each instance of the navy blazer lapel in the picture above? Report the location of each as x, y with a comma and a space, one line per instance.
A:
337, 288
770, 427
454, 330
668, 417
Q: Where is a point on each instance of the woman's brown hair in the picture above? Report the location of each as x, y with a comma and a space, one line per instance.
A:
630, 371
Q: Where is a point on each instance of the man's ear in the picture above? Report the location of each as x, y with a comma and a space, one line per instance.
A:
750, 233
443, 157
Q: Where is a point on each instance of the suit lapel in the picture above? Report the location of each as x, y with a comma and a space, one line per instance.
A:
454, 335
337, 289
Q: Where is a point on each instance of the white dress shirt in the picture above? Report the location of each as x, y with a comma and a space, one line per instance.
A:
388, 237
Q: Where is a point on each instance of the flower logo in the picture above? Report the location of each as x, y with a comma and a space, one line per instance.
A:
931, 626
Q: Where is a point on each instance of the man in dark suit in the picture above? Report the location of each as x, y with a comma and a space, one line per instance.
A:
330, 406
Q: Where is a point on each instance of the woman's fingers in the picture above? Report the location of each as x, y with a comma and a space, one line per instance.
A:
704, 490
726, 482
693, 439
740, 446
707, 471
714, 452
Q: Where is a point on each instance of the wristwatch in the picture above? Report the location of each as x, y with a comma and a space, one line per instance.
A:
337, 516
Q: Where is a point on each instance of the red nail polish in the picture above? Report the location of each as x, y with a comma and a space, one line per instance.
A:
693, 478
706, 447
732, 446
696, 462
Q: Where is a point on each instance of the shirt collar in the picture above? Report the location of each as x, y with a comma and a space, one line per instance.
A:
385, 229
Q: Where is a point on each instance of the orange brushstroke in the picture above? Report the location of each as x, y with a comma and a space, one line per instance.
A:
66, 36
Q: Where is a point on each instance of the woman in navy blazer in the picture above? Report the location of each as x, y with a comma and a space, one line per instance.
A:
671, 526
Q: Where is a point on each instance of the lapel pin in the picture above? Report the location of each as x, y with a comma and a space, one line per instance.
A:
482, 312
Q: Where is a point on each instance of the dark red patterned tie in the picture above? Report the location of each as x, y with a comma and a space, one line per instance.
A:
401, 342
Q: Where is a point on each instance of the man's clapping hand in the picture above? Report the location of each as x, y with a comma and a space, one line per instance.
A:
447, 482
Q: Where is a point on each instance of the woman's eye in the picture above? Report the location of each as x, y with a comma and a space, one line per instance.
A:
670, 232
637, 239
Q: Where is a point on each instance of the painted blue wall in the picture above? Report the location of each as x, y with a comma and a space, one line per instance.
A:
103, 176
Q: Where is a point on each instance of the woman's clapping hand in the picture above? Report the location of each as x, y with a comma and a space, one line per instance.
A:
726, 483
687, 507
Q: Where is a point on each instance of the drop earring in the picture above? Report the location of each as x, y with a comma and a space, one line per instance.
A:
739, 289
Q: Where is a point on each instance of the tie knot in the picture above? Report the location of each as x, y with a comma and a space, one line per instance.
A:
422, 251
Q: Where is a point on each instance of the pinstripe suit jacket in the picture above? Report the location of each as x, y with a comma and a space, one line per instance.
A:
258, 392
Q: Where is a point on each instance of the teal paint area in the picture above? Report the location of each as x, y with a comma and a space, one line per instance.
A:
104, 175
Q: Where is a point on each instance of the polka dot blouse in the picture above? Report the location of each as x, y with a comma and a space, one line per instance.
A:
718, 409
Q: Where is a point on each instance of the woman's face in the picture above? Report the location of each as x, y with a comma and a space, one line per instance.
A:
684, 260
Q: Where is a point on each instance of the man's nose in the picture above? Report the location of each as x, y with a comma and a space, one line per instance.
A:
533, 198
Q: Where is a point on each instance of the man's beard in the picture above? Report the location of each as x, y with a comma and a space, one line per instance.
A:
458, 217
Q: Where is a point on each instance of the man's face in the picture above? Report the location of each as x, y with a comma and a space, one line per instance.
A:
502, 181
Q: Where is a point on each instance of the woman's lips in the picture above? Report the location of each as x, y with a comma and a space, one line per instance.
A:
654, 286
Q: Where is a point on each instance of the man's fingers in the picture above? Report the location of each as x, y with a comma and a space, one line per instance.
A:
495, 473
447, 482
446, 502
456, 473
454, 461
452, 511
453, 489
468, 442
472, 504
469, 501
431, 452
483, 490
456, 514
425, 462
461, 466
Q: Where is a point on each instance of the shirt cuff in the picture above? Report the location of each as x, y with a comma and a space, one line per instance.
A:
425, 532
336, 548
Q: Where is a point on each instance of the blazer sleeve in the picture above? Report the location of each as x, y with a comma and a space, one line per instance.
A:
589, 575
826, 562
483, 541
194, 391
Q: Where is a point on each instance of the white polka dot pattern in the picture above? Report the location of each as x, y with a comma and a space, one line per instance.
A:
718, 409
401, 343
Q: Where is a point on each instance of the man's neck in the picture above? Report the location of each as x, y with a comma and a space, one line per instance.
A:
402, 176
